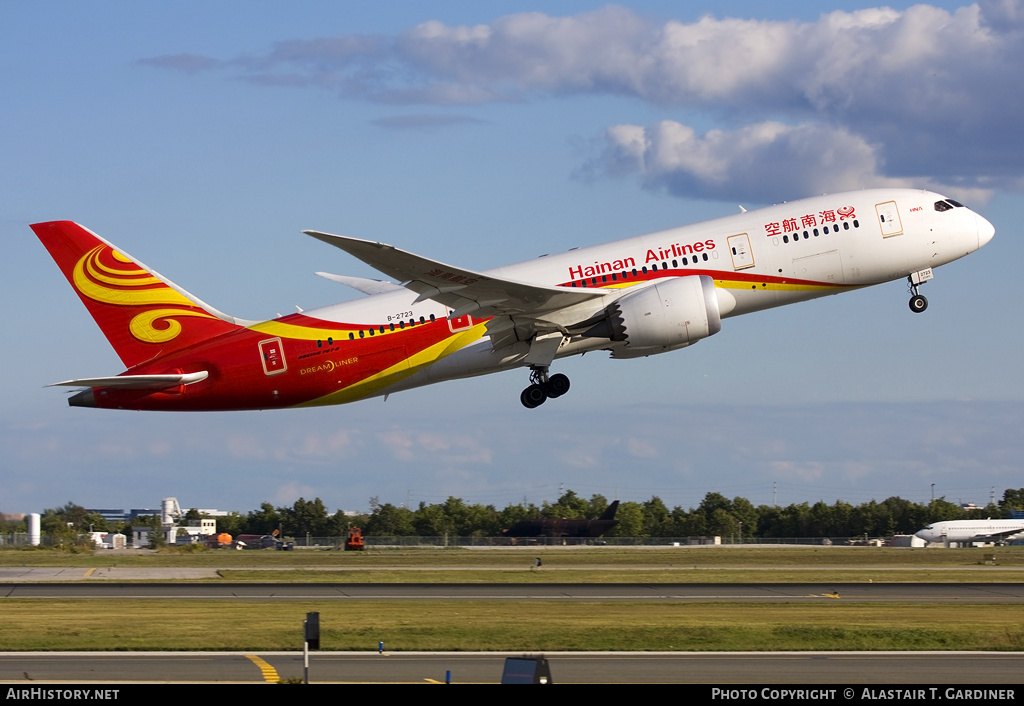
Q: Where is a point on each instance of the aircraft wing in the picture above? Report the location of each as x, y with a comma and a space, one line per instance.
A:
137, 382
992, 536
464, 291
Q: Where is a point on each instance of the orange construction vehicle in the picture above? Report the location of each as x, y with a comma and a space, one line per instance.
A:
355, 540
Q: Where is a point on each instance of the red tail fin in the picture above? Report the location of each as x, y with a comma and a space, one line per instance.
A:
142, 314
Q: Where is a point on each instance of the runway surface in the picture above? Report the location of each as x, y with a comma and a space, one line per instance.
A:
688, 592
834, 668
830, 668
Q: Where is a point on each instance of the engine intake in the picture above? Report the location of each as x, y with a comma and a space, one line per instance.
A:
664, 316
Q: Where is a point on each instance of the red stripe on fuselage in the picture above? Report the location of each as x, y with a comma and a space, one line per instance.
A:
238, 380
628, 278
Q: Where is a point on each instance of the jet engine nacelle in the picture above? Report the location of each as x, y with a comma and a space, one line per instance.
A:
664, 316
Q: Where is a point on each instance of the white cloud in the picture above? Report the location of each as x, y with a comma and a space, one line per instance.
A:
838, 450
398, 444
427, 447
287, 494
315, 446
244, 446
533, 51
841, 63
161, 447
291, 446
806, 471
763, 162
850, 98
641, 448
1002, 16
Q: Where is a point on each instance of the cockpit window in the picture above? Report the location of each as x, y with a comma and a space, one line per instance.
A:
947, 204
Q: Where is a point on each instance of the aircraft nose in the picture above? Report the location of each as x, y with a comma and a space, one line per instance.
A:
985, 230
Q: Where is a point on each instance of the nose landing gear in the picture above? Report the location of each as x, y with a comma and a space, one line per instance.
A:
543, 387
918, 302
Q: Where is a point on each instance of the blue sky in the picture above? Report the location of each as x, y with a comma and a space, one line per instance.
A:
203, 138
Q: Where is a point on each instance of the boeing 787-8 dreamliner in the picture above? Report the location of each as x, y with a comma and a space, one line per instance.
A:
637, 297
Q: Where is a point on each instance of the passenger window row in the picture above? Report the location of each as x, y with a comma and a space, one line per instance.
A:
363, 333
825, 230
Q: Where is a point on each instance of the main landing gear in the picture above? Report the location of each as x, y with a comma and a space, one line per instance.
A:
542, 387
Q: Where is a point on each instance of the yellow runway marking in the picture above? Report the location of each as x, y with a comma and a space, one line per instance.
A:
89, 573
269, 673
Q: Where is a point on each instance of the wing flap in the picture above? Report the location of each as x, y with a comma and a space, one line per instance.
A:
137, 382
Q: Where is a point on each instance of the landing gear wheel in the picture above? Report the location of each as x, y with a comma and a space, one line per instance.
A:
533, 396
917, 302
557, 385
542, 387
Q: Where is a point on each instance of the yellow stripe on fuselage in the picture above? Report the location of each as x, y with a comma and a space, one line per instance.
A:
400, 370
764, 286
301, 333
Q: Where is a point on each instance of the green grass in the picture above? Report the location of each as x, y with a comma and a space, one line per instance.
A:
537, 625
767, 558
35, 624
638, 575
744, 564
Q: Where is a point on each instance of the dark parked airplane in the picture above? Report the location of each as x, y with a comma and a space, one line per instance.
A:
557, 527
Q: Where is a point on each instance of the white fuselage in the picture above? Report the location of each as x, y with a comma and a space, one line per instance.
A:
769, 257
969, 531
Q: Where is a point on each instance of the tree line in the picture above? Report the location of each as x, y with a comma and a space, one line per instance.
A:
715, 515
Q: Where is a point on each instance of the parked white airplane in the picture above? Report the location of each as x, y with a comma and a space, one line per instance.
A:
637, 297
968, 531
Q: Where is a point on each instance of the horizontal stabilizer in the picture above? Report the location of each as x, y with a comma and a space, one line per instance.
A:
137, 382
